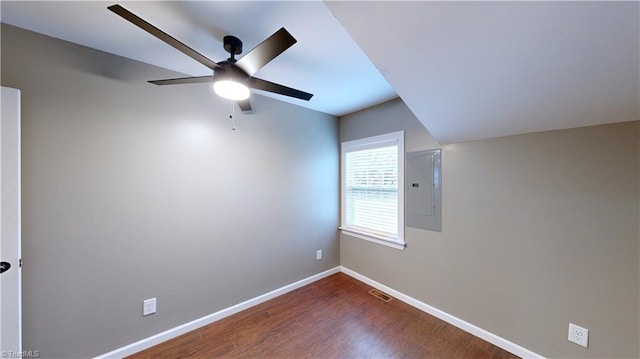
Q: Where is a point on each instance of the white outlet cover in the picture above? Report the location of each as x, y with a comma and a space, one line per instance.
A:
148, 306
319, 254
579, 335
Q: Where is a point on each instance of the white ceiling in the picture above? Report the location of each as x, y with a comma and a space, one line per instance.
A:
474, 70
325, 61
468, 70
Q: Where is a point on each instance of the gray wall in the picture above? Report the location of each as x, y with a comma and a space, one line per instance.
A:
132, 191
539, 230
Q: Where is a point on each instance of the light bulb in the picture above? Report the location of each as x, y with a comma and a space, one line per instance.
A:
231, 90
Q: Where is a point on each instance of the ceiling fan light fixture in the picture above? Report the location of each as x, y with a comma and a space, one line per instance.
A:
231, 89
231, 78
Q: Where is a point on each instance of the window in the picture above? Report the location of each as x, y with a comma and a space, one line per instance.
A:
372, 184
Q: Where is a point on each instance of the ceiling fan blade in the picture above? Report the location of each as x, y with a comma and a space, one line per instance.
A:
245, 105
139, 22
265, 85
183, 80
266, 51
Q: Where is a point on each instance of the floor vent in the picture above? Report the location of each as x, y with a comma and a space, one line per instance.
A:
382, 296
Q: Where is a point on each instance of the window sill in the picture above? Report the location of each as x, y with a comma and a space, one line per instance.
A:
373, 238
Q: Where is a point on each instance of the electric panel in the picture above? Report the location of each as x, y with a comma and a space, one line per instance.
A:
423, 190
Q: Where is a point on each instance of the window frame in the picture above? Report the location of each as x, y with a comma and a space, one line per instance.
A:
384, 140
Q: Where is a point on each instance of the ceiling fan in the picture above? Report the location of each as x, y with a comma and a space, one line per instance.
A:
231, 78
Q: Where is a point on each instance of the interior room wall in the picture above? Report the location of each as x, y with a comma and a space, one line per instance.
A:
132, 191
539, 230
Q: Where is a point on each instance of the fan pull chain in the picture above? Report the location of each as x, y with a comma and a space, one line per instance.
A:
232, 116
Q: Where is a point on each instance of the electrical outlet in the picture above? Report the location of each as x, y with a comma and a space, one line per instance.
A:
148, 306
319, 254
578, 335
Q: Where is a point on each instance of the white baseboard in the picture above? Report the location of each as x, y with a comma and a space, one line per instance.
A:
466, 326
195, 324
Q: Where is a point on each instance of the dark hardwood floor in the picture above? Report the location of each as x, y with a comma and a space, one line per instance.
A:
334, 317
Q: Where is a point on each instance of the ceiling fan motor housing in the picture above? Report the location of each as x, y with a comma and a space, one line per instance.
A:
228, 70
232, 45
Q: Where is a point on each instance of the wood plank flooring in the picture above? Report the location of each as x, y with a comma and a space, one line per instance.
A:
334, 317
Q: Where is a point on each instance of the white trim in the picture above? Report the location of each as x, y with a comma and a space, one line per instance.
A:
464, 325
401, 184
387, 139
11, 218
195, 324
393, 138
373, 238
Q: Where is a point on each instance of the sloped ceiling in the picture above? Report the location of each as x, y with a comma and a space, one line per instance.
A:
475, 70
325, 61
467, 70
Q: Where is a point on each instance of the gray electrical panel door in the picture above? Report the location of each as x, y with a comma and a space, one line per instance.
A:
423, 190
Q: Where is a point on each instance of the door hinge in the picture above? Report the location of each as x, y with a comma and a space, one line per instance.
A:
20, 263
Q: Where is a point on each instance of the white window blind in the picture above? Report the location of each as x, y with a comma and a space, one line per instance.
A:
372, 187
372, 190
